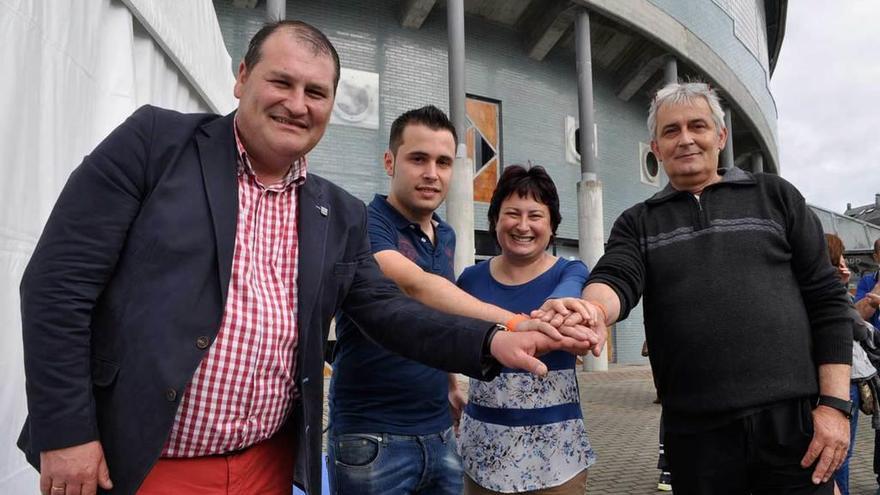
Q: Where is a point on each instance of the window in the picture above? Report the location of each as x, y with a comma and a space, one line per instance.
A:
484, 144
573, 140
649, 166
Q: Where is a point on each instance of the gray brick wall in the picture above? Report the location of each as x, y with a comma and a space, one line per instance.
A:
535, 98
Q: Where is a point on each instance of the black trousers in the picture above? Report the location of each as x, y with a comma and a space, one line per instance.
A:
756, 454
877, 455
662, 463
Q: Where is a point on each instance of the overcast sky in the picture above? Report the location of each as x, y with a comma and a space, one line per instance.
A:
827, 90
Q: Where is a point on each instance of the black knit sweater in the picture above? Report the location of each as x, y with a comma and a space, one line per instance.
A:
740, 302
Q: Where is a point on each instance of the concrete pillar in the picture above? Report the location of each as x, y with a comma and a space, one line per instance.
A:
591, 233
727, 153
757, 162
276, 10
460, 200
670, 70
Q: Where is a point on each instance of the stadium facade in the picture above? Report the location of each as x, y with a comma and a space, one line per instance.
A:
522, 90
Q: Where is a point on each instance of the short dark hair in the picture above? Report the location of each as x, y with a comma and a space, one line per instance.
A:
304, 32
525, 182
877, 246
835, 248
429, 116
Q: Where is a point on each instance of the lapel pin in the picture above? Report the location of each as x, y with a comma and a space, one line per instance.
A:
323, 209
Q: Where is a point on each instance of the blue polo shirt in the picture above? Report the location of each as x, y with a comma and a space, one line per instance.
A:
374, 390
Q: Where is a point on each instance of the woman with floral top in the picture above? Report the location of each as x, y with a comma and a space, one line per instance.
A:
522, 433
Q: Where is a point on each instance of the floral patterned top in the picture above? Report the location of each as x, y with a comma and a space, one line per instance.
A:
521, 432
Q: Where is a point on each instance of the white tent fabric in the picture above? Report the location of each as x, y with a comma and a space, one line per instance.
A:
190, 36
76, 70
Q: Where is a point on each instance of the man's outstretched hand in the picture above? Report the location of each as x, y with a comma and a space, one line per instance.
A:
520, 349
562, 330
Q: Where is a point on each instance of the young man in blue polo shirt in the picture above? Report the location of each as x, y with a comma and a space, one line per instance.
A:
391, 419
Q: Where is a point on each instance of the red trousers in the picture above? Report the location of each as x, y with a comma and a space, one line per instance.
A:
265, 469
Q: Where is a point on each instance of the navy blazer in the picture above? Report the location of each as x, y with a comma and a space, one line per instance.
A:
128, 283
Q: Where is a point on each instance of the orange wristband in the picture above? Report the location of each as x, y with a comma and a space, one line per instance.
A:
515, 320
602, 309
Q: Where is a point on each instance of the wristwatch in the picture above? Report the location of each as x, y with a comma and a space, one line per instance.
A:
487, 343
845, 406
490, 366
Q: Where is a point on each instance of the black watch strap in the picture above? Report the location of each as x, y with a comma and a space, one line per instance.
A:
490, 366
487, 342
844, 406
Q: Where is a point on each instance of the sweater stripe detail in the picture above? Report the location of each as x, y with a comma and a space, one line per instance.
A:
715, 226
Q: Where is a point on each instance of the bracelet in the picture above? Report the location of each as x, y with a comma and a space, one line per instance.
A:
515, 320
602, 310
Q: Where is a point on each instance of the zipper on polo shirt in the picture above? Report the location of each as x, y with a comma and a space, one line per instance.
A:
702, 222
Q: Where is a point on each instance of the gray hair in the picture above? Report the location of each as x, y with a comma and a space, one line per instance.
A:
685, 92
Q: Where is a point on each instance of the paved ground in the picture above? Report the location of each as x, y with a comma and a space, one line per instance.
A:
622, 422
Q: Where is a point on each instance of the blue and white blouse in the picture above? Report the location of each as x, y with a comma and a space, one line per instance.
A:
521, 432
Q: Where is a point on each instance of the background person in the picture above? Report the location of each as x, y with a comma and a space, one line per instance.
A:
862, 368
867, 304
868, 292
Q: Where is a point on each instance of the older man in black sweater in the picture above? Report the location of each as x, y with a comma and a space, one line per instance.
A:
745, 318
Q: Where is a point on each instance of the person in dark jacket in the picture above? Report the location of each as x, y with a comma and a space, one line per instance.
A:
176, 307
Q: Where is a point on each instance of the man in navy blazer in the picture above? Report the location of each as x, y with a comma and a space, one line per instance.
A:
127, 287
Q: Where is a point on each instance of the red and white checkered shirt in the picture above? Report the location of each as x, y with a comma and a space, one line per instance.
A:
243, 388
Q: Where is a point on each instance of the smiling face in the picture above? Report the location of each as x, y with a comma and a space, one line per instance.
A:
420, 171
523, 229
688, 143
285, 101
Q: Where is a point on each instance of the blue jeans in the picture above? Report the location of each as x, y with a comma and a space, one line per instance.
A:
841, 477
384, 464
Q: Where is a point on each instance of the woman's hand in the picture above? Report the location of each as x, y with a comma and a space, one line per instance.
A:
557, 332
574, 316
567, 311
